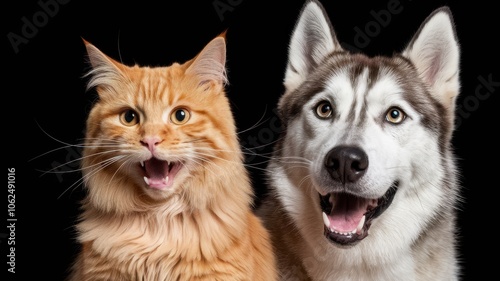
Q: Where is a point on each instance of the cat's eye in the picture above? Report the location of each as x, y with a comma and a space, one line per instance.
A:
324, 109
395, 115
129, 117
180, 116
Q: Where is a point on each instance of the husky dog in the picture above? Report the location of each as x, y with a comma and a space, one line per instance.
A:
362, 182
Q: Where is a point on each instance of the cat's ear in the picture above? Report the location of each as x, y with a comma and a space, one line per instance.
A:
105, 72
313, 38
435, 52
210, 64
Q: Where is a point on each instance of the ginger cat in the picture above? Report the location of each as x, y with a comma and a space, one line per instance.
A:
168, 195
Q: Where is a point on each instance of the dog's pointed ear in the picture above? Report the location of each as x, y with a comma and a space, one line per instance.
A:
312, 40
435, 52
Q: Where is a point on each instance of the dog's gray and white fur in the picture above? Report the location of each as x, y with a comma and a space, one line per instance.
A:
363, 182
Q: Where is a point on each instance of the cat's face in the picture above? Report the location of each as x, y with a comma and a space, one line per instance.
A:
157, 131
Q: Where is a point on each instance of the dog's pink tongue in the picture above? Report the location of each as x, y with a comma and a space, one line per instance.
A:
347, 212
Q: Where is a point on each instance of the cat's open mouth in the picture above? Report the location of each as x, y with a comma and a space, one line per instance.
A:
347, 217
159, 174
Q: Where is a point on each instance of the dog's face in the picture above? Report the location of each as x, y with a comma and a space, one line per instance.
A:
362, 132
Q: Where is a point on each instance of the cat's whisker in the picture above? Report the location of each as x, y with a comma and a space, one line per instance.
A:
229, 151
217, 150
103, 144
117, 169
201, 160
209, 149
55, 170
53, 150
103, 164
205, 157
257, 124
52, 137
76, 184
217, 157
263, 146
251, 166
101, 140
289, 159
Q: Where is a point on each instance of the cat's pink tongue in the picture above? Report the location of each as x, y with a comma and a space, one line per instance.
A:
157, 172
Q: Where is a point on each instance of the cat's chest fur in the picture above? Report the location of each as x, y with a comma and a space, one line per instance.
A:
167, 248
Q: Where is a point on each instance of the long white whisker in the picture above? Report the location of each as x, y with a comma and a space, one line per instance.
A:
103, 165
124, 162
257, 124
55, 169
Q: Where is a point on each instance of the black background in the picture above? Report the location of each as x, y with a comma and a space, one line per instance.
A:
45, 102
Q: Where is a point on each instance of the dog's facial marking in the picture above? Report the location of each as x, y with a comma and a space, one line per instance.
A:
347, 111
392, 117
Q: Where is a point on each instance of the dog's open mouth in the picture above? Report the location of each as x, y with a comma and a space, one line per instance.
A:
347, 217
159, 174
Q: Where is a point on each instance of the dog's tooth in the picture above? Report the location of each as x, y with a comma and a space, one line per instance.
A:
326, 221
146, 180
360, 225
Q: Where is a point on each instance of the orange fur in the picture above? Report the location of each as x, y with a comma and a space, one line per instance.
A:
200, 226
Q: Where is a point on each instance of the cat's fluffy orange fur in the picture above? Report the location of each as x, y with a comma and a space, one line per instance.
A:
168, 195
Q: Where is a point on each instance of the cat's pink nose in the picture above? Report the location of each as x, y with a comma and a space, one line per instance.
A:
151, 142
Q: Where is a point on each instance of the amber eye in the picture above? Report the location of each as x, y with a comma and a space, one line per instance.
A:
395, 115
129, 117
180, 116
324, 109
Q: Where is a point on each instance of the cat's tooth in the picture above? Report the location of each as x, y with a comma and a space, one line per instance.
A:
142, 164
326, 221
166, 179
360, 224
146, 180
168, 163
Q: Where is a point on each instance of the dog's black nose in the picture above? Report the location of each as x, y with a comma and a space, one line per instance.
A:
346, 163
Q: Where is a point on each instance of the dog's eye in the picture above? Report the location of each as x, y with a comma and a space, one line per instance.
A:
129, 117
324, 110
395, 115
